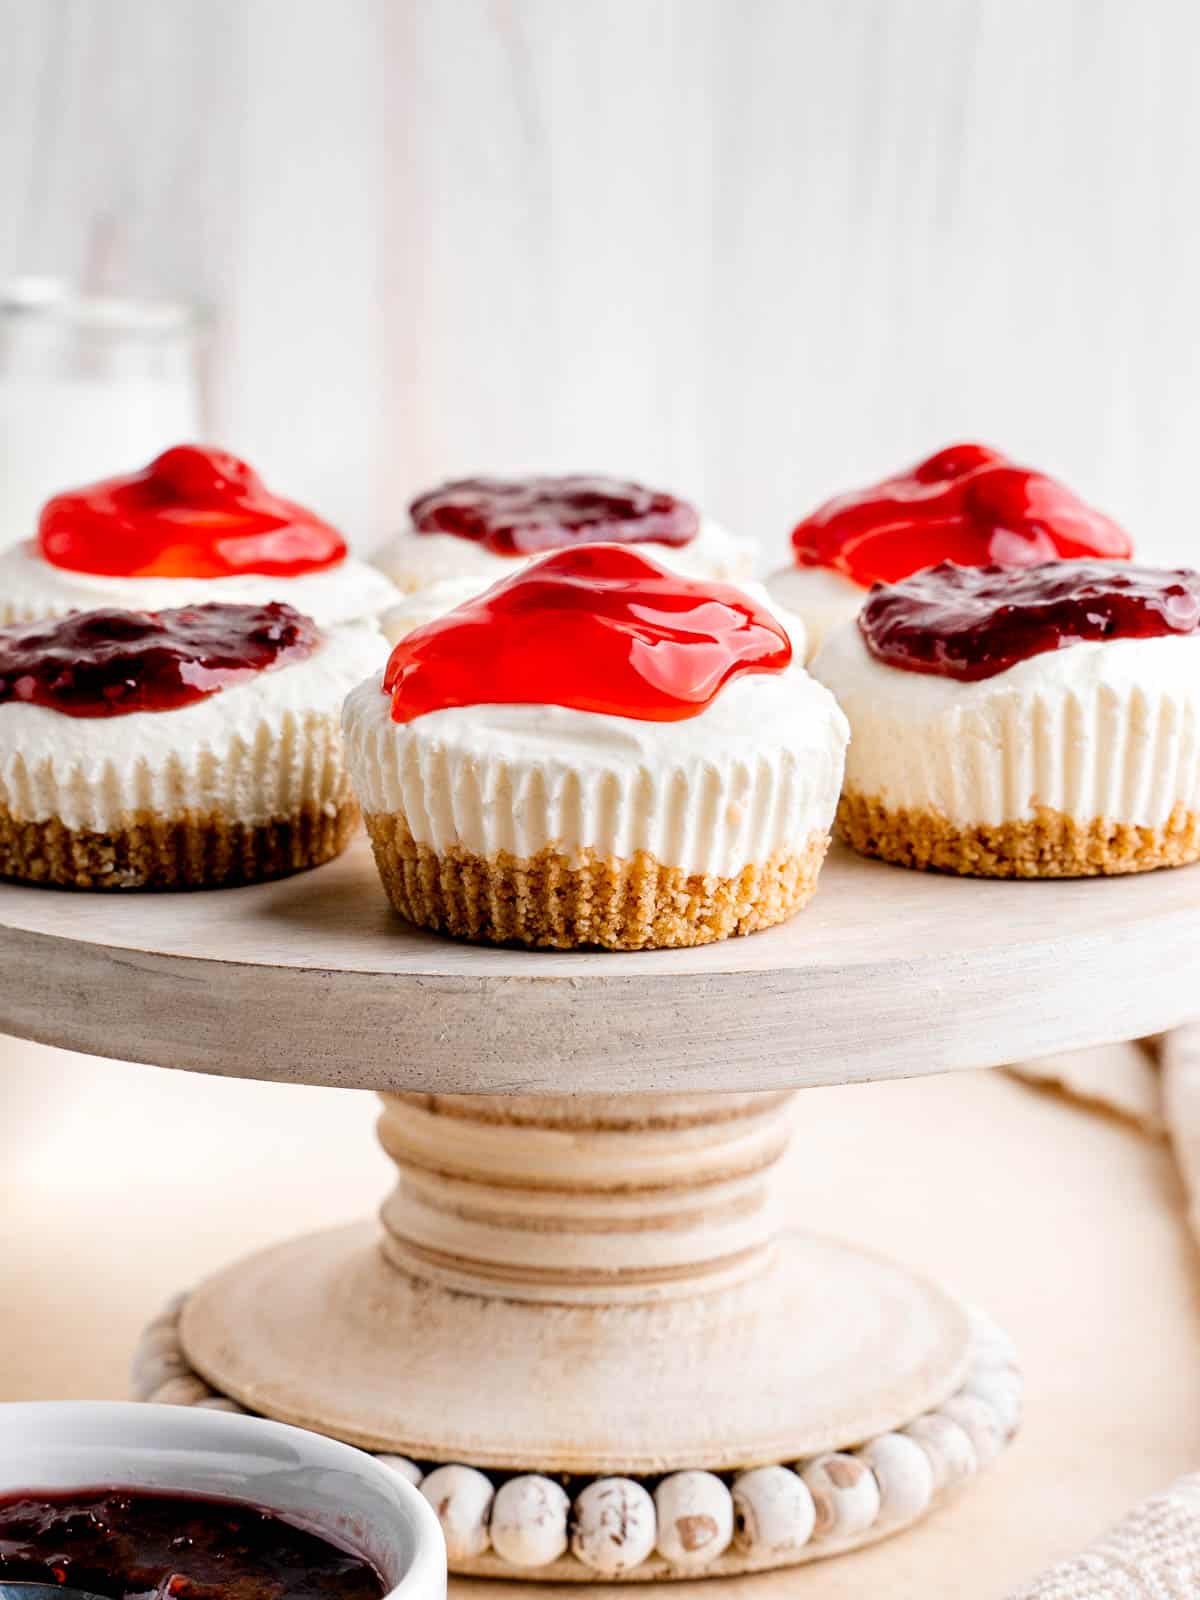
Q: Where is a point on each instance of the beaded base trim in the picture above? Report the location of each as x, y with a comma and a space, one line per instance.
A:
552, 900
688, 1524
184, 852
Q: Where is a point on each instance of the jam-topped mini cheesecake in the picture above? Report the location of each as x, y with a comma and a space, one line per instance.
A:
1029, 722
196, 526
597, 751
180, 749
484, 528
966, 504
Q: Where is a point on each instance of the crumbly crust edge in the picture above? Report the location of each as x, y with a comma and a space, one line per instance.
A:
186, 851
1048, 844
559, 901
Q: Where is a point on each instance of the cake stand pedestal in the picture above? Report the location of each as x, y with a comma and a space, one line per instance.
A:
580, 1271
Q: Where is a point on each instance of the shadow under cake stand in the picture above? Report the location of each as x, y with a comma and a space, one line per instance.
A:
581, 1271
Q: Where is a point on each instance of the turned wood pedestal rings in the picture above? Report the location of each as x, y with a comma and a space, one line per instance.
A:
584, 1318
585, 1331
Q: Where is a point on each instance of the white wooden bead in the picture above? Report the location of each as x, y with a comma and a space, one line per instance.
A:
845, 1495
1000, 1389
151, 1371
183, 1391
980, 1424
773, 1512
948, 1446
695, 1519
462, 1498
529, 1521
990, 1345
614, 1526
159, 1339
904, 1475
403, 1468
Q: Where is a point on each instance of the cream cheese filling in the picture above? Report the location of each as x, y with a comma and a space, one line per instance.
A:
31, 588
1105, 730
755, 773
415, 560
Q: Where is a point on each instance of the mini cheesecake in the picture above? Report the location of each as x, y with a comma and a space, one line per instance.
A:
485, 528
1036, 722
185, 749
597, 752
966, 504
196, 526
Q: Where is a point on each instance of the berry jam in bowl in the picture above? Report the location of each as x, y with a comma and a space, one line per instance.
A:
123, 1500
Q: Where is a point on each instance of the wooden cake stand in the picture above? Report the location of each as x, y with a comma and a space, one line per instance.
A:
580, 1274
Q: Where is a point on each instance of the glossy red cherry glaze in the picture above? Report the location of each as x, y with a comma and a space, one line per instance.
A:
110, 663
966, 504
526, 516
192, 513
599, 628
974, 622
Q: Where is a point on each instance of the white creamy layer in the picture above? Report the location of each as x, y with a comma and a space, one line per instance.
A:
258, 750
31, 588
415, 560
1099, 730
823, 598
756, 772
427, 605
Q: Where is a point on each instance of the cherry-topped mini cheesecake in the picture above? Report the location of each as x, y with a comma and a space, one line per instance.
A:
195, 526
966, 504
189, 748
1030, 722
484, 528
597, 751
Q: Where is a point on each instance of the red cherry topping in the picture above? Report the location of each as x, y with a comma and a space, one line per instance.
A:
525, 516
966, 504
597, 628
974, 622
192, 513
109, 663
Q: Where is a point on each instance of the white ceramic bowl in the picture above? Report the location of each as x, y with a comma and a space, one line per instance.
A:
324, 1487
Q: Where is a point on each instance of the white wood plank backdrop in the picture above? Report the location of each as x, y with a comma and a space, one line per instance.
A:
756, 249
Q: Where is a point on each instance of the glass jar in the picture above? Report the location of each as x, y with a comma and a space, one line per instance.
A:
89, 387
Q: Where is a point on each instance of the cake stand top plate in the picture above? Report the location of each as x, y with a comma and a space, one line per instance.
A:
887, 973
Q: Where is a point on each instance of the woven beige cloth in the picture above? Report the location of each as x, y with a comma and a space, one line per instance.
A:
1154, 1554
1123, 1078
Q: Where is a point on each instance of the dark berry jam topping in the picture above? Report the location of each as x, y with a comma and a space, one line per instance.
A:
192, 513
974, 622
109, 663
966, 504
137, 1545
598, 628
526, 516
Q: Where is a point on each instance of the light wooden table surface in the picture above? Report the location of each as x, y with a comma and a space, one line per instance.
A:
120, 1184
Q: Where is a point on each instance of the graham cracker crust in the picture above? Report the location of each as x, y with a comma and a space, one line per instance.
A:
1050, 844
180, 852
561, 902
